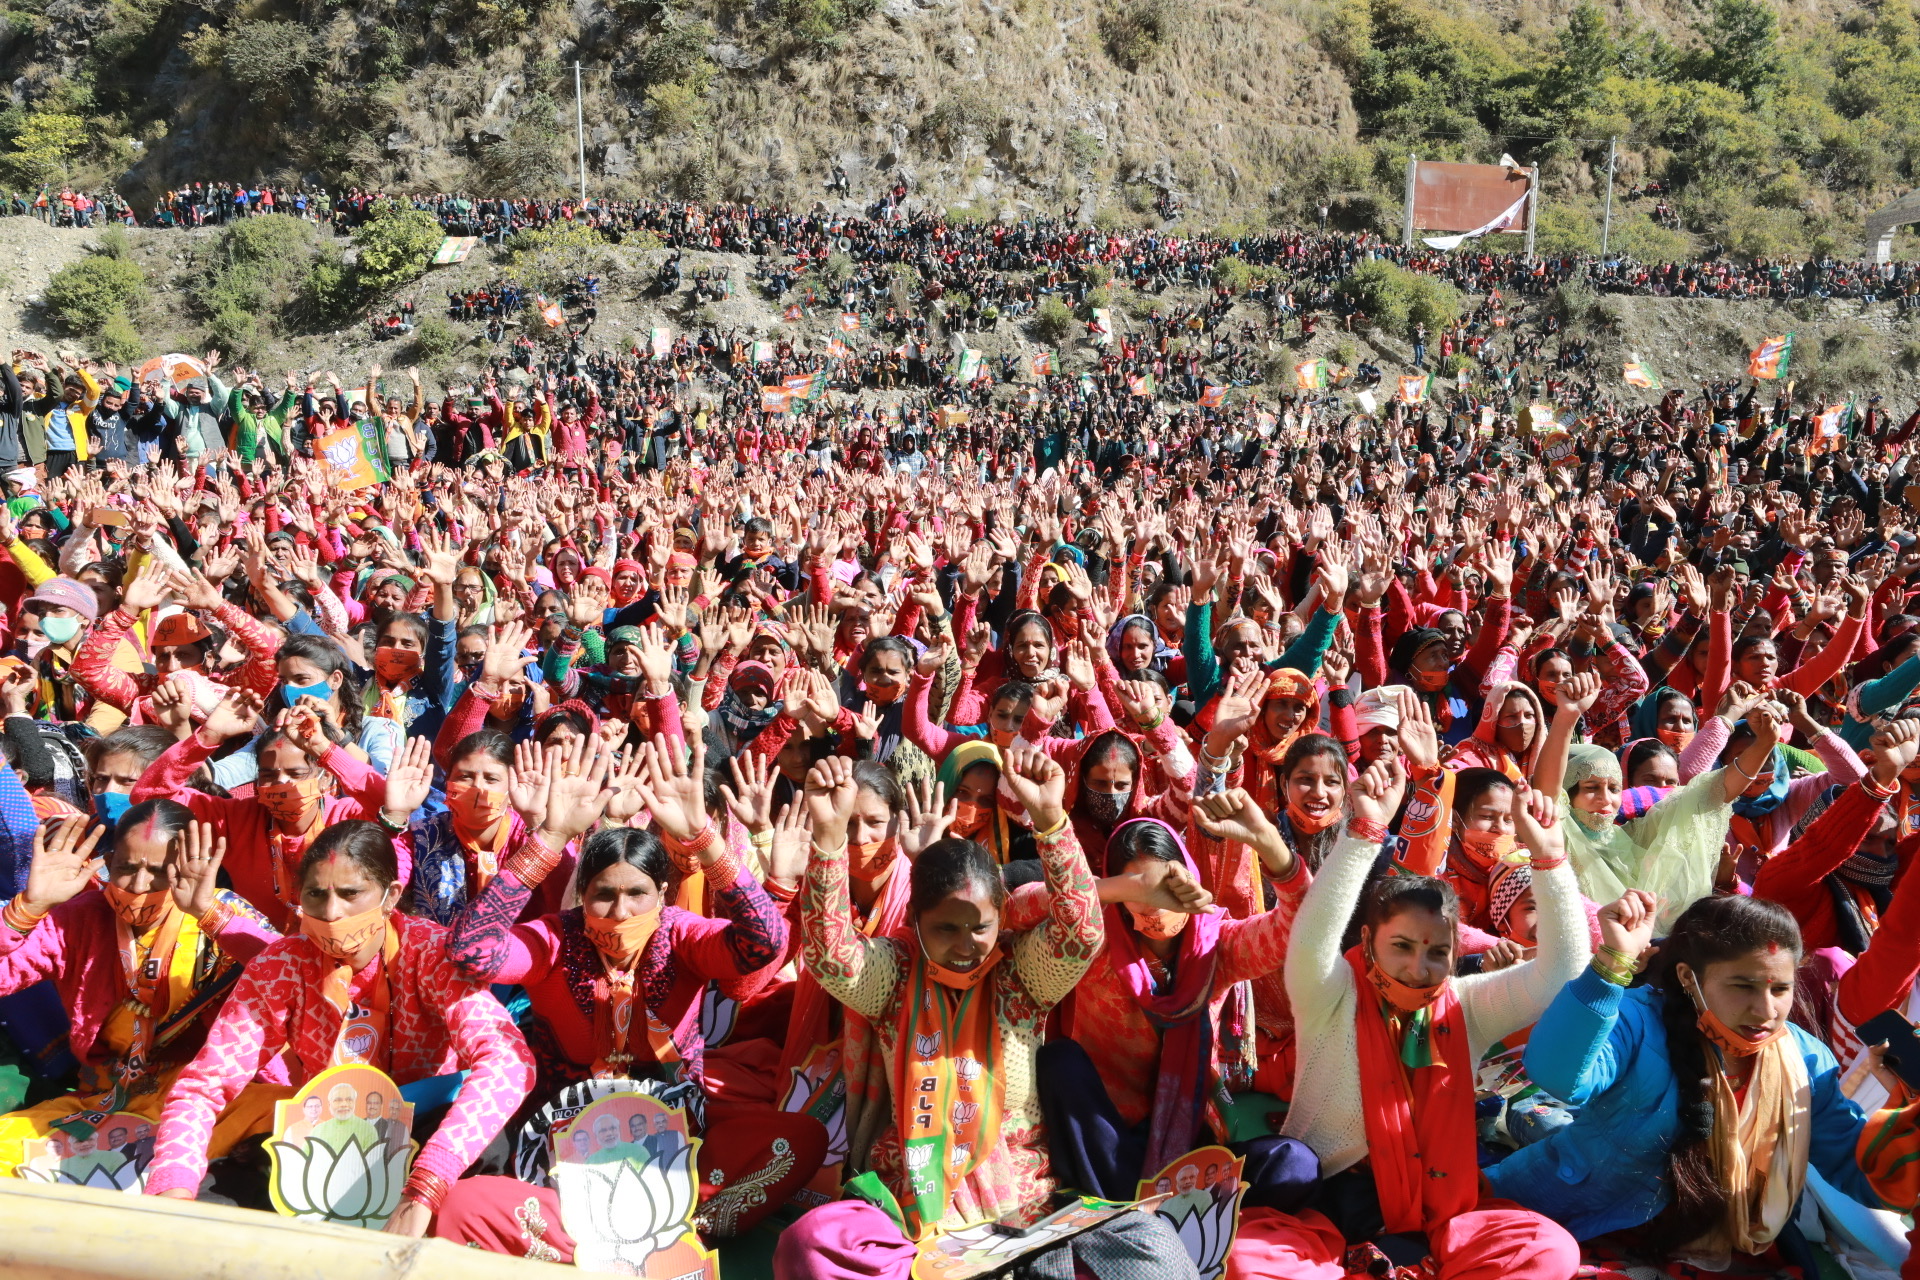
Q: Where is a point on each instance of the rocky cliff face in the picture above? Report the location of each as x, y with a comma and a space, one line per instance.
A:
993, 106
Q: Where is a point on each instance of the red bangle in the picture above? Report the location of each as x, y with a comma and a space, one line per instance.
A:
425, 1187
215, 919
1367, 829
1548, 864
1872, 787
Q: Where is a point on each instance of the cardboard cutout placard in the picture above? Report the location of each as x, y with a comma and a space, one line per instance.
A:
819, 1089
533, 1145
341, 1148
985, 1249
625, 1168
108, 1153
1200, 1195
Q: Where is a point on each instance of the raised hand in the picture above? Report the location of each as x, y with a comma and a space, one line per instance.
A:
750, 798
196, 868
626, 801
831, 792
409, 781
1039, 784
1375, 795
1536, 822
1626, 923
236, 716
929, 814
1419, 739
63, 862
578, 791
150, 588
674, 786
1893, 750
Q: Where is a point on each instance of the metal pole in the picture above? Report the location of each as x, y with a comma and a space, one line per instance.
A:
580, 131
1406, 217
1533, 207
1606, 223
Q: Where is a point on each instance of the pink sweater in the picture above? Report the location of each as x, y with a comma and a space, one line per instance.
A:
249, 862
440, 1023
77, 946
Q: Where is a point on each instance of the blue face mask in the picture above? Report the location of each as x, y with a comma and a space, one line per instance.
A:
292, 693
109, 805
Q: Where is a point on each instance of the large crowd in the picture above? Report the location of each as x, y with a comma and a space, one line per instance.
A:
970, 256
1490, 830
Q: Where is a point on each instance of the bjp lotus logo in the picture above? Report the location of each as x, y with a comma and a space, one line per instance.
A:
967, 1069
964, 1113
357, 1187
927, 1046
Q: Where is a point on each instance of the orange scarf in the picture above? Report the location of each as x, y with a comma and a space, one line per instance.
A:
149, 994
1420, 1127
951, 1092
363, 1028
613, 1022
284, 851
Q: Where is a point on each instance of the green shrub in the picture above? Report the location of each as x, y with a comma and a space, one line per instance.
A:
394, 247
550, 258
676, 52
435, 340
678, 107
84, 295
1135, 30
1394, 299
117, 340
265, 54
45, 146
114, 242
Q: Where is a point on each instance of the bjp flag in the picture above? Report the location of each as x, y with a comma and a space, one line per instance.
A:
1413, 390
1771, 357
1212, 397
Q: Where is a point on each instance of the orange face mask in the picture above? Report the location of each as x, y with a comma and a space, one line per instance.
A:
346, 937
958, 979
1486, 847
1429, 681
968, 817
1308, 824
622, 940
1398, 994
1675, 738
476, 809
1729, 1040
871, 859
394, 665
289, 803
138, 911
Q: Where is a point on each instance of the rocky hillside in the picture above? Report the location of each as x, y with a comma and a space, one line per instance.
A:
1841, 348
1776, 122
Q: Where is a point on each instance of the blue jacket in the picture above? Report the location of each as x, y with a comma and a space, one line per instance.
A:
1605, 1049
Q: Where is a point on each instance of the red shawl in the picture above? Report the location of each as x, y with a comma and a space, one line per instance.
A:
1420, 1129
1182, 1016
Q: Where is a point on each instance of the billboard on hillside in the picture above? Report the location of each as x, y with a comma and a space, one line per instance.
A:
1470, 198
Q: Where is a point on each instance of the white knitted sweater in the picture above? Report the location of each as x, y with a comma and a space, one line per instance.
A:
1326, 1111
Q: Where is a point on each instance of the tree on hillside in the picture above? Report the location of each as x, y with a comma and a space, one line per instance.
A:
1742, 49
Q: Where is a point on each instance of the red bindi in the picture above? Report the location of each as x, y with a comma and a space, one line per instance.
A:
1773, 948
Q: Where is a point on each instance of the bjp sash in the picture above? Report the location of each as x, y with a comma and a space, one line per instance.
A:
363, 1028
950, 1091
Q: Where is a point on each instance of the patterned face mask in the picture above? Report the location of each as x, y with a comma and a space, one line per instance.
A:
1105, 807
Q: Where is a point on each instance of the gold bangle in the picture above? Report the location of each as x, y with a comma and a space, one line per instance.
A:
1054, 831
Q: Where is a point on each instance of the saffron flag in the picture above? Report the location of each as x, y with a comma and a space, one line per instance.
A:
660, 341
761, 353
1829, 428
966, 366
1042, 363
850, 321
792, 314
344, 454
1639, 373
1141, 384
1771, 357
775, 399
1212, 397
838, 349
550, 311
1311, 376
1413, 390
